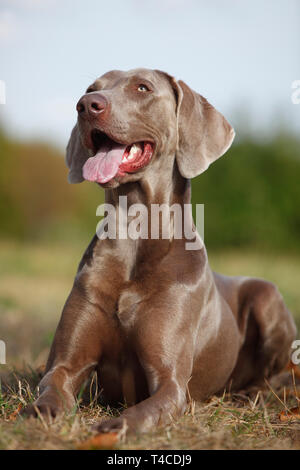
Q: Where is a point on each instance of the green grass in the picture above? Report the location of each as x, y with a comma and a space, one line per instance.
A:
282, 269
35, 280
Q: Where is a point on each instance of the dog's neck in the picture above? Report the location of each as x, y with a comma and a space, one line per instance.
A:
148, 191
153, 190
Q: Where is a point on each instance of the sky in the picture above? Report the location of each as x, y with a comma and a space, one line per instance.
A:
242, 55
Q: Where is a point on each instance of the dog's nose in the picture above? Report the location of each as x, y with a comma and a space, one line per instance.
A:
91, 104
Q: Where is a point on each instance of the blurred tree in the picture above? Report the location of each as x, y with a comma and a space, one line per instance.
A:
35, 196
251, 195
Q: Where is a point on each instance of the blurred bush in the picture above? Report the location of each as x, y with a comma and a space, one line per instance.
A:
251, 195
35, 198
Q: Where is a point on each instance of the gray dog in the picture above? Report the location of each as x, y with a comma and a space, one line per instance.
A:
150, 316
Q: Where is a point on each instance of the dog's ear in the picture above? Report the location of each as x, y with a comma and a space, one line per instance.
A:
204, 135
76, 156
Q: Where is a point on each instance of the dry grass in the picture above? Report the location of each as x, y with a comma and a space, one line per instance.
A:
226, 422
34, 283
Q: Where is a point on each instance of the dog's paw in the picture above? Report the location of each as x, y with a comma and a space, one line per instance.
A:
47, 410
118, 425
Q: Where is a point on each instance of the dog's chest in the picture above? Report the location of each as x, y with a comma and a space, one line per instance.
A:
123, 380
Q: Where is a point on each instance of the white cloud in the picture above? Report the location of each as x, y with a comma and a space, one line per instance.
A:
164, 4
8, 25
29, 4
11, 17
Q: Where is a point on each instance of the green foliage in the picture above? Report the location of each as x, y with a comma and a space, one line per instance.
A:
251, 195
35, 197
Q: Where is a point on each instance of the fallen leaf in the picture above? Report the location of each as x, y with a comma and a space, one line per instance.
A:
293, 414
100, 441
14, 414
295, 368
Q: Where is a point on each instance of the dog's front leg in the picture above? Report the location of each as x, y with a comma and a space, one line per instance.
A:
164, 347
76, 350
167, 403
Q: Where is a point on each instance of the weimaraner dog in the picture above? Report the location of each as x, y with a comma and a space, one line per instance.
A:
149, 315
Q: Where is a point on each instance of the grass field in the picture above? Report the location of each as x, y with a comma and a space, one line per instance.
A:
34, 283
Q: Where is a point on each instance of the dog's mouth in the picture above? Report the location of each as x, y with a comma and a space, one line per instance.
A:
114, 159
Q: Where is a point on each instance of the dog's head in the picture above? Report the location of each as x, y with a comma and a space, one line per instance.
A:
129, 120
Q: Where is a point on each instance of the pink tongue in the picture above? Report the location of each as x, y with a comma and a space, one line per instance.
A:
105, 164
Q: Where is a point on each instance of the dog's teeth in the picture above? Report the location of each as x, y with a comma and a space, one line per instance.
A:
135, 148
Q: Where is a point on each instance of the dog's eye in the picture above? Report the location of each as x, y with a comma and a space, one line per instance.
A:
143, 88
